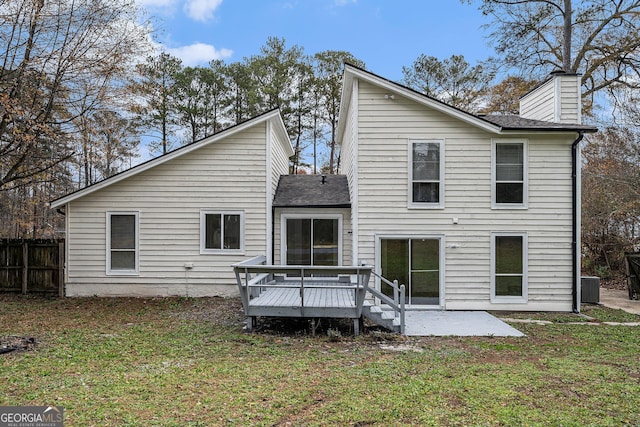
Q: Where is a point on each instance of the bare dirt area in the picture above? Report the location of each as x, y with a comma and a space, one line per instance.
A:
11, 343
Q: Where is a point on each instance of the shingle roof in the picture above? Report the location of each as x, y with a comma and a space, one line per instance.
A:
513, 122
308, 191
508, 123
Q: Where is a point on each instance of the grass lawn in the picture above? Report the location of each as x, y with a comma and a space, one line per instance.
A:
186, 362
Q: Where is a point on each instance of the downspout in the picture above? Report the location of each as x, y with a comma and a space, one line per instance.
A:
574, 220
273, 235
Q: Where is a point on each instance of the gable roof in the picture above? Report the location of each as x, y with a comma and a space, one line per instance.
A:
272, 116
492, 123
308, 191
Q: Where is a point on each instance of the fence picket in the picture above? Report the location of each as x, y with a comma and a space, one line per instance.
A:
32, 265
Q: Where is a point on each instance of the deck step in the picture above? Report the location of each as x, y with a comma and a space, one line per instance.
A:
385, 318
375, 309
388, 315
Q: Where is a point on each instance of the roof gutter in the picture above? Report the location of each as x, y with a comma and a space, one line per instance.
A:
574, 220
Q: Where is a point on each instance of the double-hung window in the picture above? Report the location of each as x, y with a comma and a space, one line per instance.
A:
509, 173
426, 177
122, 243
221, 232
509, 267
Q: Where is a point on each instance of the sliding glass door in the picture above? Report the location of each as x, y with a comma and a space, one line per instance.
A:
312, 241
415, 263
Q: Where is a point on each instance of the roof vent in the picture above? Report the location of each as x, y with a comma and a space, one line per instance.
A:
324, 179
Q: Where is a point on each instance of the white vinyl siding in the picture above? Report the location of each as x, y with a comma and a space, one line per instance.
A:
122, 243
426, 171
221, 232
509, 174
539, 103
228, 175
384, 126
509, 267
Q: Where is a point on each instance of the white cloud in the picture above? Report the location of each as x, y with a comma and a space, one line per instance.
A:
344, 2
201, 10
198, 53
155, 3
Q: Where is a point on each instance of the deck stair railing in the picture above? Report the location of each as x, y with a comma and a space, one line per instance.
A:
397, 303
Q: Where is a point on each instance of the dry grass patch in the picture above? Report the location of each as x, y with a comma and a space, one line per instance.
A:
186, 362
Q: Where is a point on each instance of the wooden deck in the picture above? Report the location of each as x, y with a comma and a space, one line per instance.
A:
316, 291
315, 299
301, 291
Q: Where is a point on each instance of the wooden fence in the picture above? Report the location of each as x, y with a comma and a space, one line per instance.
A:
35, 265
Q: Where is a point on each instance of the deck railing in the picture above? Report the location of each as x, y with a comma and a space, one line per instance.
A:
253, 277
398, 301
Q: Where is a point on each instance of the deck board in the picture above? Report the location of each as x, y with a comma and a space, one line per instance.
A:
316, 297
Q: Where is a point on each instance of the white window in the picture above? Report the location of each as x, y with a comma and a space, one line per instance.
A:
122, 243
221, 232
426, 175
509, 267
509, 174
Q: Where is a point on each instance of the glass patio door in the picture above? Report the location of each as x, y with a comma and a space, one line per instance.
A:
312, 241
414, 262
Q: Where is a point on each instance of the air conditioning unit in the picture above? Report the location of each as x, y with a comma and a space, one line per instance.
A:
590, 289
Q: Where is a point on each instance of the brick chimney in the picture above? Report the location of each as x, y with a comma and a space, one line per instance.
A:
557, 99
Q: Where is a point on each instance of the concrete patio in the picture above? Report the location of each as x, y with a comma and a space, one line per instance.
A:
457, 323
618, 299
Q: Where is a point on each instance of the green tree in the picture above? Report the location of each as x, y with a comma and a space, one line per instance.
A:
242, 92
155, 87
302, 107
328, 68
275, 73
452, 80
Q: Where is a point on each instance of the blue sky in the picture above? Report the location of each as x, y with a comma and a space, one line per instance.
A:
385, 34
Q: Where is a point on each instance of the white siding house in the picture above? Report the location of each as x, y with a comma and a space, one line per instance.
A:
469, 212
174, 225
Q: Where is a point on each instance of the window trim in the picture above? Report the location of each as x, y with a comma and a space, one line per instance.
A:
203, 229
136, 270
522, 299
425, 205
283, 232
525, 173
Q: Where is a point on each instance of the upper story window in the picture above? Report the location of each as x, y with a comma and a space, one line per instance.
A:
221, 232
122, 243
509, 173
426, 186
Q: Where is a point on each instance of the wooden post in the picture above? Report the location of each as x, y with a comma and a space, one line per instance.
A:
396, 298
25, 266
61, 269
